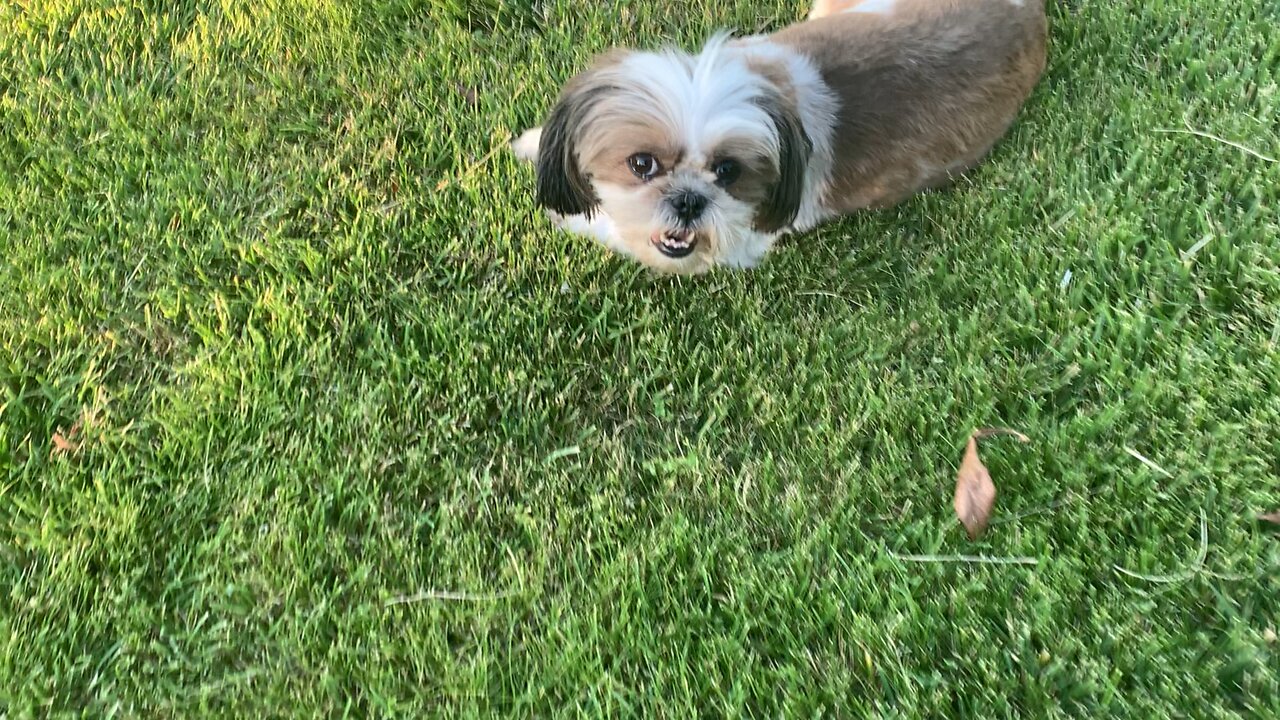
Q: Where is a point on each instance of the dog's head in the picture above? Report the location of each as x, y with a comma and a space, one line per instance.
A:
693, 157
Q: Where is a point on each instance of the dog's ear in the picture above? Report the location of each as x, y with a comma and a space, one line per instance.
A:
562, 185
794, 150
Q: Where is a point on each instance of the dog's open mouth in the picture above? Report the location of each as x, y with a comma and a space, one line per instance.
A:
675, 243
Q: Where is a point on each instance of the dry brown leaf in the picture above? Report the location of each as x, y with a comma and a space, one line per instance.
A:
69, 442
467, 93
62, 444
975, 492
1273, 518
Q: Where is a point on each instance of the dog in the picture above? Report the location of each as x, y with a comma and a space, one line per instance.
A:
687, 162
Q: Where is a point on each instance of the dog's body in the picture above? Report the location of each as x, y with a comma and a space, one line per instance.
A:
687, 162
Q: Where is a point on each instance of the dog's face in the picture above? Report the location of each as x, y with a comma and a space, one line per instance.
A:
696, 160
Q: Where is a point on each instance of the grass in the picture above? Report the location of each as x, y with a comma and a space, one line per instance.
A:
311, 350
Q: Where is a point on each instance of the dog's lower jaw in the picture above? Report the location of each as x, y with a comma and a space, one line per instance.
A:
742, 252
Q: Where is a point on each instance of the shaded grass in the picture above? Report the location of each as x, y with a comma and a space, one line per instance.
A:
324, 353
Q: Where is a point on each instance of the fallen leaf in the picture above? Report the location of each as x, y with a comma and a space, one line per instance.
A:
975, 492
61, 444
467, 93
1273, 518
66, 443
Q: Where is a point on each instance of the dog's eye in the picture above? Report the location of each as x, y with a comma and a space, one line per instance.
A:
727, 171
644, 165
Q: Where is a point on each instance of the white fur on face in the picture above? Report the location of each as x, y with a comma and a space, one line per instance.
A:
704, 99
693, 107
727, 223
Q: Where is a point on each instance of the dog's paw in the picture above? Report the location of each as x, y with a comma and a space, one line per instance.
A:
525, 147
597, 227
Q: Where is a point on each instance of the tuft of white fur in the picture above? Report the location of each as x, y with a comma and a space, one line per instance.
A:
525, 147
702, 98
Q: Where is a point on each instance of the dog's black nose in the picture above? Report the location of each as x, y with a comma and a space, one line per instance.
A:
688, 205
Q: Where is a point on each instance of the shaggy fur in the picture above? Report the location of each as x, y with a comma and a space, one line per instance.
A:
689, 161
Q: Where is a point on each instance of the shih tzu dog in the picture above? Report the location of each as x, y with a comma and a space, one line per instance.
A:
686, 162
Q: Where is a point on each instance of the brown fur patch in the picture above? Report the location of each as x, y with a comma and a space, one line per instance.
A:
776, 73
759, 174
608, 155
925, 91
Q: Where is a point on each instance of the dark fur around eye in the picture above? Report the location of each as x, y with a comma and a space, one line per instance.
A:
727, 172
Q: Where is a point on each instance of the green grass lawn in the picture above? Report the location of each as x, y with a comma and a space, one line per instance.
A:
284, 340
